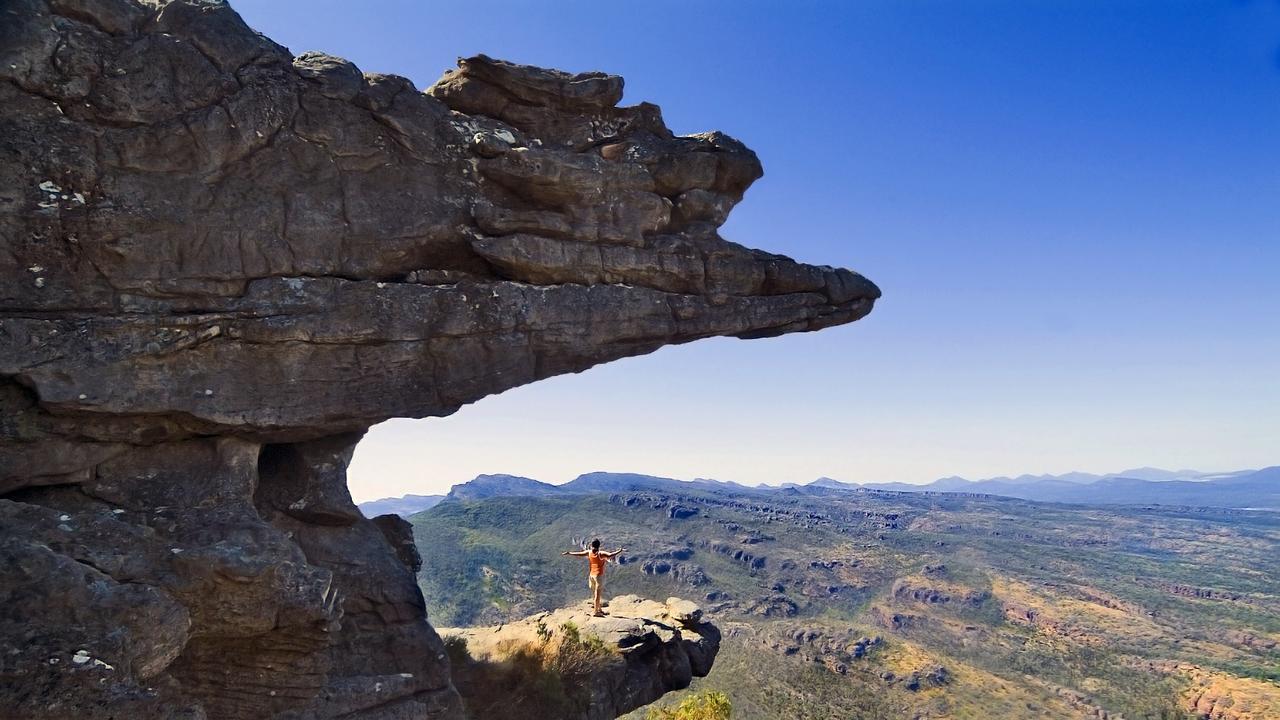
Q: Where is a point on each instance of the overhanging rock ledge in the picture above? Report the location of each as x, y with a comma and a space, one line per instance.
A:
222, 263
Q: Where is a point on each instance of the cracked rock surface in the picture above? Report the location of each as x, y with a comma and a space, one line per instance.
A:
221, 263
653, 648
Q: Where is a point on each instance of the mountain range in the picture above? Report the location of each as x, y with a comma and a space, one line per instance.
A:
403, 506
1143, 486
866, 604
1258, 489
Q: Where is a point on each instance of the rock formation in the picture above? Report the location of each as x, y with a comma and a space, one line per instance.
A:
222, 263
650, 649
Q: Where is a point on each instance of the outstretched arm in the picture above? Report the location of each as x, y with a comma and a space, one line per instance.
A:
615, 553
575, 553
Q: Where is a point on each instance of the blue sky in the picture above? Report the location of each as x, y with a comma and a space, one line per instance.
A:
1073, 209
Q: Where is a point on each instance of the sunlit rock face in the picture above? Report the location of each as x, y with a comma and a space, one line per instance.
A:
222, 263
646, 649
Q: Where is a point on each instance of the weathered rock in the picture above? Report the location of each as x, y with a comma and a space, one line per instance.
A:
773, 606
655, 648
222, 263
837, 650
912, 589
684, 611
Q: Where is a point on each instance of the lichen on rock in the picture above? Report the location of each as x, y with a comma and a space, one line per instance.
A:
222, 263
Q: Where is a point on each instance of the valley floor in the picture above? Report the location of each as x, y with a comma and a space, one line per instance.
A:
891, 605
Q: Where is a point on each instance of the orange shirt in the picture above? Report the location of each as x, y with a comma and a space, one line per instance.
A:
597, 561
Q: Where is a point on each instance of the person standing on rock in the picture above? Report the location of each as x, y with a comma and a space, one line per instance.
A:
596, 559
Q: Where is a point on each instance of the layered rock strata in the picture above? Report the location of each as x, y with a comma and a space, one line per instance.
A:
222, 263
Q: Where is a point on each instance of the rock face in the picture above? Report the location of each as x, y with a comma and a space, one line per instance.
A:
655, 648
222, 263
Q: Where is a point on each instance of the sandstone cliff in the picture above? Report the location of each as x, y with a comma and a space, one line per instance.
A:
222, 263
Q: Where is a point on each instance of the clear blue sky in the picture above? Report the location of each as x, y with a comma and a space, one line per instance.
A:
1073, 209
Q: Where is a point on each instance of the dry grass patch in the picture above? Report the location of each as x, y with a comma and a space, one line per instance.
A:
1219, 696
543, 677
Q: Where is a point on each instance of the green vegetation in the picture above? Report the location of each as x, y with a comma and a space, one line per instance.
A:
969, 606
703, 706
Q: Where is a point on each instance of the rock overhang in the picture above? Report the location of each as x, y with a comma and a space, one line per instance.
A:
222, 263
348, 240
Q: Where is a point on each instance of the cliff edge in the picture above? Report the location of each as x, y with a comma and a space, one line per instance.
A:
223, 262
568, 664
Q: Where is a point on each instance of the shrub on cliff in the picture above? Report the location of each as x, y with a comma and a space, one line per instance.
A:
528, 678
703, 706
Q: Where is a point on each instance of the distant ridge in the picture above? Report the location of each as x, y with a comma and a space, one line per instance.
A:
1145, 485
1258, 489
484, 486
1240, 489
403, 506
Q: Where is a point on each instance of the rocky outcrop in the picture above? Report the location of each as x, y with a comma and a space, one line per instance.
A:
835, 649
647, 650
1220, 696
223, 262
922, 590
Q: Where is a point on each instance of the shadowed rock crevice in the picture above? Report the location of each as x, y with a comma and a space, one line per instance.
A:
222, 263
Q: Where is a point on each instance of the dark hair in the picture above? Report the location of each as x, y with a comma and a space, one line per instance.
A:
595, 544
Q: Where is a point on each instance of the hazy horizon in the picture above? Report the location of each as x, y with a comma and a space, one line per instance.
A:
780, 483
1070, 208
